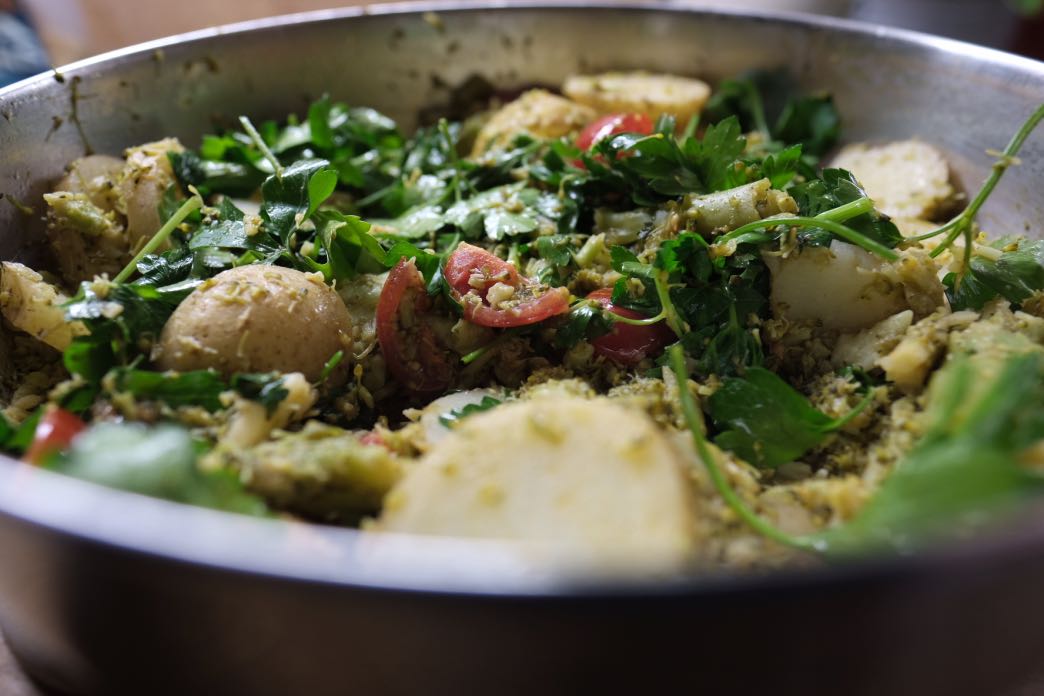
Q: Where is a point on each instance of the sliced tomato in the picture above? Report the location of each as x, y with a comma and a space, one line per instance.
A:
55, 431
471, 268
613, 124
628, 344
472, 271
414, 355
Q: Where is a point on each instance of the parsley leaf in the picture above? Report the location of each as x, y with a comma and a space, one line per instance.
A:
157, 461
765, 421
452, 418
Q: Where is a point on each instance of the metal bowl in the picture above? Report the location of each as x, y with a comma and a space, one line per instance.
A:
107, 592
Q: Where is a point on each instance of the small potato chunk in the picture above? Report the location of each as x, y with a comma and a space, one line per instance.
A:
640, 92
906, 179
587, 478
86, 240
146, 176
33, 305
95, 176
249, 422
843, 287
537, 113
256, 319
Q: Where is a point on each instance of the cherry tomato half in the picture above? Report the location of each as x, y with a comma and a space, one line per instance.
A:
55, 431
628, 344
414, 355
613, 124
472, 271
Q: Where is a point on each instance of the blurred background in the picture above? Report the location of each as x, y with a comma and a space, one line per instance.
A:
38, 34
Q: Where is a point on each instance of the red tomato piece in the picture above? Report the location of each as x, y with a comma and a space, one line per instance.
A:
613, 124
471, 268
472, 271
415, 356
373, 438
628, 344
55, 431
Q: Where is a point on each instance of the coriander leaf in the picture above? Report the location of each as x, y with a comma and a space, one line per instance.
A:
158, 461
415, 223
1016, 274
350, 249
781, 167
968, 292
812, 122
427, 263
835, 188
764, 420
210, 176
585, 321
452, 418
286, 199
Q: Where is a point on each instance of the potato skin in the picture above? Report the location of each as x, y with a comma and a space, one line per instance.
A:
256, 319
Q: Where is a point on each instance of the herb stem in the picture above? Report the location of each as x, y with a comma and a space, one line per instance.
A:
962, 222
842, 231
262, 146
670, 313
648, 321
451, 150
694, 421
844, 420
848, 211
187, 208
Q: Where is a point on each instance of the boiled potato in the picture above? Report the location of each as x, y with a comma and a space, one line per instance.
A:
33, 305
146, 176
841, 286
537, 113
581, 476
96, 176
639, 92
906, 179
256, 319
86, 240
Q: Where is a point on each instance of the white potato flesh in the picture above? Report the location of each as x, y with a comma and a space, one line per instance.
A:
639, 92
582, 476
431, 416
34, 306
906, 179
250, 423
537, 113
146, 176
842, 287
257, 319
864, 348
96, 176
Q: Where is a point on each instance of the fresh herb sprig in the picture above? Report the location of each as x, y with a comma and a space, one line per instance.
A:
962, 225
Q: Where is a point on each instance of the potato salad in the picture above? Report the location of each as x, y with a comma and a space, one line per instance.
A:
631, 320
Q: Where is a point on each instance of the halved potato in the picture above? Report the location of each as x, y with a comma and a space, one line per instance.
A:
582, 476
537, 113
906, 179
639, 92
